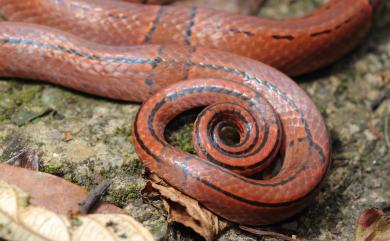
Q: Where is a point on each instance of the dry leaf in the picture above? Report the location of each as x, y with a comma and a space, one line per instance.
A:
27, 158
373, 225
186, 210
19, 221
51, 192
68, 136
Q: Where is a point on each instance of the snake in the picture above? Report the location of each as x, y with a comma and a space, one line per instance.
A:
174, 59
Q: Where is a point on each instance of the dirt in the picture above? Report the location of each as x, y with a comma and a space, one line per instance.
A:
86, 139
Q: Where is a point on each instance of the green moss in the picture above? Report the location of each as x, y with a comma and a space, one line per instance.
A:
343, 86
133, 191
158, 228
121, 196
14, 95
122, 131
27, 94
118, 199
5, 113
55, 169
134, 168
81, 174
73, 179
323, 110
182, 138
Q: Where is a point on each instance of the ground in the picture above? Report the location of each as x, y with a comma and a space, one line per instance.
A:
86, 139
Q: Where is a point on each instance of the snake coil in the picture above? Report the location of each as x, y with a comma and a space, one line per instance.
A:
271, 115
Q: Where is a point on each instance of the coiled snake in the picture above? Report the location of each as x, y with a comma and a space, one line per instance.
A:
273, 117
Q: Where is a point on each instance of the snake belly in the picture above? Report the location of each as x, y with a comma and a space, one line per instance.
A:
273, 116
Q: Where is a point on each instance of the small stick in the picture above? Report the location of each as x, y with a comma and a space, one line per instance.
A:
262, 233
93, 197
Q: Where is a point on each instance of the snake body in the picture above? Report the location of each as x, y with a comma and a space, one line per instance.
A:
294, 46
273, 117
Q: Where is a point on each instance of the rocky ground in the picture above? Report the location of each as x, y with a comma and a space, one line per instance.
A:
86, 139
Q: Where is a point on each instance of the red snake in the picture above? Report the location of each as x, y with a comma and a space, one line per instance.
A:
273, 117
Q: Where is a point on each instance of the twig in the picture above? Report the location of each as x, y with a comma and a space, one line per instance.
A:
271, 234
94, 196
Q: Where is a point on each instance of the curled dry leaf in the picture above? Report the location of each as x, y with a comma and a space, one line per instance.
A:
51, 192
186, 210
19, 221
27, 158
373, 225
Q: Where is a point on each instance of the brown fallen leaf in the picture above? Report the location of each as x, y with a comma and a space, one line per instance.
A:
27, 158
373, 225
51, 192
20, 221
186, 210
68, 136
